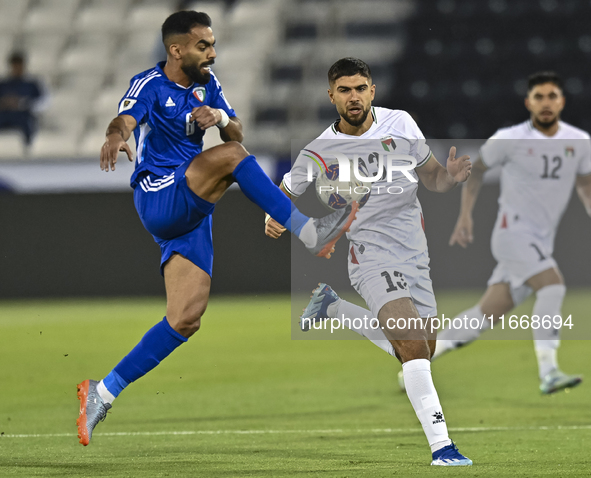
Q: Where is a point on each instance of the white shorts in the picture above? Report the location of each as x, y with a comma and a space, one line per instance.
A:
520, 255
379, 278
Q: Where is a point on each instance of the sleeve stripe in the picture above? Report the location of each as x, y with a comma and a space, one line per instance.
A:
143, 83
131, 88
137, 83
287, 189
424, 161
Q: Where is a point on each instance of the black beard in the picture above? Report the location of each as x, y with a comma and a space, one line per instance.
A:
357, 122
546, 124
195, 75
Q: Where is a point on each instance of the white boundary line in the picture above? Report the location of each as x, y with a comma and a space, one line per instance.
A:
309, 432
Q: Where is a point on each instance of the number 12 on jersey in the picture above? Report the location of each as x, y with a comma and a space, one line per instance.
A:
557, 162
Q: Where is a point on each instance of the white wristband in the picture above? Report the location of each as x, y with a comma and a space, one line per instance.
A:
224, 121
267, 217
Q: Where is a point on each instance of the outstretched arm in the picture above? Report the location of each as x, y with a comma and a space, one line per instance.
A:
584, 191
462, 233
118, 133
439, 179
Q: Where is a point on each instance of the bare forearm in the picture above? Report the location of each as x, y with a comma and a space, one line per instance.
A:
584, 192
232, 132
470, 191
118, 126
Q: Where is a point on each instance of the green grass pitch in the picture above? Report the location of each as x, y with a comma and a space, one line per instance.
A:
244, 399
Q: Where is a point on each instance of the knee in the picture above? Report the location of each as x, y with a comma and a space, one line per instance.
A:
235, 152
412, 349
188, 320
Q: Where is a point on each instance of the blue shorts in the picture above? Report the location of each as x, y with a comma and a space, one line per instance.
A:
179, 220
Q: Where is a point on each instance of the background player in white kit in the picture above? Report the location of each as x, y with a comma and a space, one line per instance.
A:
388, 259
541, 160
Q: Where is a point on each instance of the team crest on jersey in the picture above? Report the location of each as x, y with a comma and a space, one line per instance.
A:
569, 151
126, 104
388, 143
199, 93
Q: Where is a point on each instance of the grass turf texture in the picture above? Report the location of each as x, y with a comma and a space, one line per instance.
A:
253, 402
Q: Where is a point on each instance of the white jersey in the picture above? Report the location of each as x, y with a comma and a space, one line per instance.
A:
392, 217
538, 174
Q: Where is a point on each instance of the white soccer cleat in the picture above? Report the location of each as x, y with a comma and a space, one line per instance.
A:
558, 380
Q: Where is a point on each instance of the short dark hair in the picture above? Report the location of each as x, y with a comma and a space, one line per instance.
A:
348, 67
16, 57
180, 23
542, 77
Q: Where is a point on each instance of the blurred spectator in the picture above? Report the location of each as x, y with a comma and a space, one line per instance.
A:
21, 98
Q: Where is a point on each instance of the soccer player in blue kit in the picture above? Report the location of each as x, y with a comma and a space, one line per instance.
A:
176, 186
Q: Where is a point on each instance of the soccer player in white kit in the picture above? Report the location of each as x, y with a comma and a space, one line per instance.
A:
388, 258
541, 160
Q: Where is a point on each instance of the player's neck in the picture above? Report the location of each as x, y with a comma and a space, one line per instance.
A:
174, 73
346, 128
549, 131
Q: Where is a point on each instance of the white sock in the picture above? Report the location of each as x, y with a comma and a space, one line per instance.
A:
342, 308
107, 396
308, 234
450, 339
546, 341
423, 398
547, 361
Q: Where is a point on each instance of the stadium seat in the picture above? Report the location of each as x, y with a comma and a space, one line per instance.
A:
301, 31
12, 14
92, 141
217, 13
373, 11
54, 145
90, 53
275, 115
51, 15
244, 21
11, 145
270, 139
65, 107
43, 50
148, 17
139, 54
107, 101
5, 49
81, 83
281, 73
98, 17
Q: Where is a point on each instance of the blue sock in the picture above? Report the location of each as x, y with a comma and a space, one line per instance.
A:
155, 346
259, 188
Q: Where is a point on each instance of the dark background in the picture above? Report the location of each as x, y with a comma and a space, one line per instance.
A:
94, 245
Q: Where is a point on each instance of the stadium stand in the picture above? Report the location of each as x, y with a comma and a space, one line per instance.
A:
445, 61
463, 72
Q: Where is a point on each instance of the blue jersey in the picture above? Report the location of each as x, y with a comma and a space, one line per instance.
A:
165, 137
